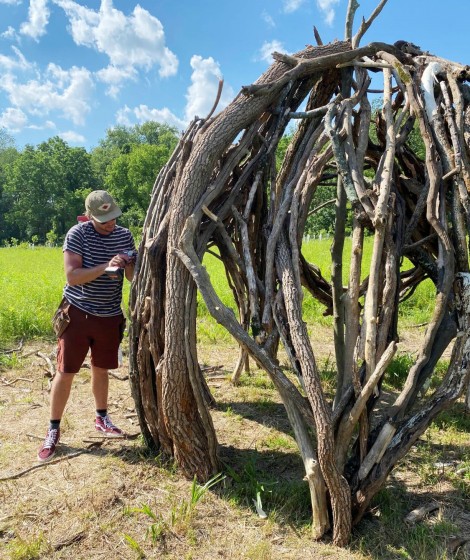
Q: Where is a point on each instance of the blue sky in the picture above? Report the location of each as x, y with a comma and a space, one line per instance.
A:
75, 68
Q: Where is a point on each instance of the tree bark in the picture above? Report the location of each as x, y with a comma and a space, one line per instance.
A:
221, 191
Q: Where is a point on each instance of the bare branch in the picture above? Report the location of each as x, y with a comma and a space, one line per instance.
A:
366, 24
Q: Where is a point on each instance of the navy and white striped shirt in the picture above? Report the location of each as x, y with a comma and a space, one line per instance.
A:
103, 295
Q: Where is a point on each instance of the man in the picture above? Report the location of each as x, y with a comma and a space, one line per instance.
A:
96, 318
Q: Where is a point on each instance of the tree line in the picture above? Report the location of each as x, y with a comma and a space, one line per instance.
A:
43, 187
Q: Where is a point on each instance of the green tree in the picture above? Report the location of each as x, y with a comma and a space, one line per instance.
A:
44, 189
8, 154
118, 152
7, 158
6, 140
130, 178
127, 163
321, 219
78, 181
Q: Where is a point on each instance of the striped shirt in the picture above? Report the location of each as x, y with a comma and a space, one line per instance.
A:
103, 295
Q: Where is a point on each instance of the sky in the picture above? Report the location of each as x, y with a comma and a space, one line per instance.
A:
76, 68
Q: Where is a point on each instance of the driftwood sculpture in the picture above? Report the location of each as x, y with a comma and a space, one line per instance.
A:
221, 189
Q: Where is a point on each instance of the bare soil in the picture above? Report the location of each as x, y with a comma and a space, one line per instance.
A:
85, 503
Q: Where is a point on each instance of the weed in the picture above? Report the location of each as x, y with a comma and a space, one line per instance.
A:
292, 502
425, 541
391, 503
258, 379
439, 371
392, 539
180, 514
230, 413
20, 549
10, 361
398, 369
250, 487
278, 442
455, 418
328, 373
135, 546
259, 551
265, 405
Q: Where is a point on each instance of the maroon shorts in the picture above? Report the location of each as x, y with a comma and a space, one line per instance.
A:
100, 334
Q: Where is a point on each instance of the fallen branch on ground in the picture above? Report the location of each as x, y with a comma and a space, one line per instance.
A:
120, 377
67, 542
20, 346
9, 383
53, 462
51, 367
420, 513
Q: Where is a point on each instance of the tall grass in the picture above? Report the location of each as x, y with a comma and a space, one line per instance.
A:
31, 283
32, 279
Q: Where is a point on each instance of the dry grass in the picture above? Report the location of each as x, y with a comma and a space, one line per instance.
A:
117, 501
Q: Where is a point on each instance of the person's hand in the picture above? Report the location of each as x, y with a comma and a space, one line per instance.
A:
120, 260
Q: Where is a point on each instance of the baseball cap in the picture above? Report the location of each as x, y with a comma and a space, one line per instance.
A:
100, 205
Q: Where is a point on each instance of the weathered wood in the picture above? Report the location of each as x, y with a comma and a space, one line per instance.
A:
223, 192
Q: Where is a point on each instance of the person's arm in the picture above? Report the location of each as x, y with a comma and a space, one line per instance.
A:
130, 264
129, 270
76, 274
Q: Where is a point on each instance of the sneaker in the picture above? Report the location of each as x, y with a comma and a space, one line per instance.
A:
47, 449
104, 424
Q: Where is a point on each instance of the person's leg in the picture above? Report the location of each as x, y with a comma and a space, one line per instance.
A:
104, 356
71, 351
100, 387
60, 392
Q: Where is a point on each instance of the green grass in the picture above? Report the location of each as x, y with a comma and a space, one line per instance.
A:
387, 537
20, 549
32, 280
31, 286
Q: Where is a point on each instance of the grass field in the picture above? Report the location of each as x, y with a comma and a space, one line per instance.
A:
32, 279
118, 500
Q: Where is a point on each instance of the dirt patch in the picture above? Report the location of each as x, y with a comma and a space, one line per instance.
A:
112, 499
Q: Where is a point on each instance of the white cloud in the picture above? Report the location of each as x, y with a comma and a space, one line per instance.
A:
200, 98
327, 7
43, 126
268, 19
267, 49
292, 5
8, 63
143, 113
72, 137
11, 2
114, 76
10, 33
202, 92
122, 116
38, 14
136, 41
13, 119
66, 91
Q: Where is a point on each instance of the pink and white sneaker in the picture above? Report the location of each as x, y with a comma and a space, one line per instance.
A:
103, 424
47, 449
